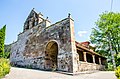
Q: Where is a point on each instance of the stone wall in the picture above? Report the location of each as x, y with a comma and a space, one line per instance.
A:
29, 49
32, 46
85, 66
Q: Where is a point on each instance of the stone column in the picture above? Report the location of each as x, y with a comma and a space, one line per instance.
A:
85, 58
93, 56
99, 60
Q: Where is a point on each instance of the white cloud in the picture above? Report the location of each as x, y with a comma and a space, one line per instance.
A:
81, 33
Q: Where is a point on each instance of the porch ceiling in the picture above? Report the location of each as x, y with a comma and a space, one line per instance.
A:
82, 48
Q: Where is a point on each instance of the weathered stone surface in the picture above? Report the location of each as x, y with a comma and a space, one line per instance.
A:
85, 66
30, 48
46, 46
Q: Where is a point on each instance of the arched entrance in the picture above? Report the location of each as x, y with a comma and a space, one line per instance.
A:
51, 53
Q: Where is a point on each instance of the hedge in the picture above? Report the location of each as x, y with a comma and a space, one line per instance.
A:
4, 67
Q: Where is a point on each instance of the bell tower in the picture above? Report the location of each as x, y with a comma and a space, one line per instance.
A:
33, 19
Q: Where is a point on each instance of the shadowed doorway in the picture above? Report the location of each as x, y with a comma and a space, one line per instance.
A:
51, 55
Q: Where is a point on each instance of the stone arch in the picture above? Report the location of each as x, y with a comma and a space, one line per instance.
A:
51, 55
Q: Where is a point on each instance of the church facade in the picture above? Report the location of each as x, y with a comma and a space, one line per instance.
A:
47, 46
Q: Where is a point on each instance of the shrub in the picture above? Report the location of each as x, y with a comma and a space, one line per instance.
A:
110, 67
117, 72
7, 55
117, 59
4, 67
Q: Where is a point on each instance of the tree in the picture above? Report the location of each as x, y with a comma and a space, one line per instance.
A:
106, 35
4, 63
7, 49
2, 39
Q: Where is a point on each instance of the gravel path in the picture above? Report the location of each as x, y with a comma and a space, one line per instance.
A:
21, 73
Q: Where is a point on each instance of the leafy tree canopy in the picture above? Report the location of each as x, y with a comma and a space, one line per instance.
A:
107, 29
106, 34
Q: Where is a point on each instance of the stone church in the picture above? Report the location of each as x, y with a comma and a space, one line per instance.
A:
47, 46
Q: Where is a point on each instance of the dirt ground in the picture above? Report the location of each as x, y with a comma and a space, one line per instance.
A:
21, 73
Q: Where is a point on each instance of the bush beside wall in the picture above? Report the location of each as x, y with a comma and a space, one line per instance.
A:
4, 67
117, 72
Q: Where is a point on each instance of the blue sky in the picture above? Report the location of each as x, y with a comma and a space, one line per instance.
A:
84, 12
